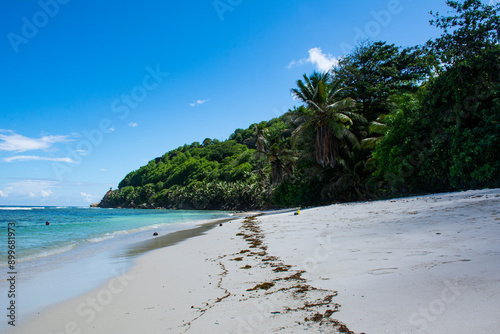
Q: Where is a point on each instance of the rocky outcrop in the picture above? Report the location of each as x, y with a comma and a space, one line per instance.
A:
104, 202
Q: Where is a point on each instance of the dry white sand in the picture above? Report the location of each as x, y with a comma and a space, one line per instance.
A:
417, 265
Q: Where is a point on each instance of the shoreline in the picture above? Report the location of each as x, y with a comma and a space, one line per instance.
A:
84, 267
410, 264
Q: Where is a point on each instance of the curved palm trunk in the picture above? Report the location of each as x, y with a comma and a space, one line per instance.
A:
276, 172
327, 147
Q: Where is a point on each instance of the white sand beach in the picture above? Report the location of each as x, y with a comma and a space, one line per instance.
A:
427, 264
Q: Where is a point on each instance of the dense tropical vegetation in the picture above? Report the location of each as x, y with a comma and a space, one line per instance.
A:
386, 121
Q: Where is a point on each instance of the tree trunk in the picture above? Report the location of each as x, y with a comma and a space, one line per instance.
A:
327, 149
276, 172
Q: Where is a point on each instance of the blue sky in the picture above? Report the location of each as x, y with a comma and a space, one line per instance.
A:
92, 90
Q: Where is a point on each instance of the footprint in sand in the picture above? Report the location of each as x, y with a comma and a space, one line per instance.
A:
382, 271
420, 253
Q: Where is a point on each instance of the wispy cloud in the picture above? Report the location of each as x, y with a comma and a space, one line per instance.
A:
323, 62
88, 197
82, 152
30, 188
103, 170
46, 193
13, 142
36, 158
2, 194
199, 102
133, 124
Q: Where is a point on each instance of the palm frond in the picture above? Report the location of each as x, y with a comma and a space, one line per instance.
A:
351, 137
337, 128
377, 127
340, 117
345, 103
355, 116
370, 143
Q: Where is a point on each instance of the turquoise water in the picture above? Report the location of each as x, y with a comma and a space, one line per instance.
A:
79, 250
71, 227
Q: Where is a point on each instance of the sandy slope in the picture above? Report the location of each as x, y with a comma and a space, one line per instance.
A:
416, 265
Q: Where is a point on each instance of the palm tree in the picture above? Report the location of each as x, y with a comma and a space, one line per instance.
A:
259, 133
327, 113
279, 156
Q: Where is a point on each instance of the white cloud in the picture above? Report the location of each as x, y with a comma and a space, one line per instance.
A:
46, 193
199, 102
82, 152
76, 135
29, 188
133, 124
103, 170
323, 62
13, 142
37, 158
88, 197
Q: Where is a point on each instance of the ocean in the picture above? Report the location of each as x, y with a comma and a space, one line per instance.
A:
62, 252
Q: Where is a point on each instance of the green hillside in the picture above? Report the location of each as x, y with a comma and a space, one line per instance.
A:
210, 175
